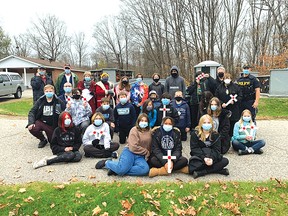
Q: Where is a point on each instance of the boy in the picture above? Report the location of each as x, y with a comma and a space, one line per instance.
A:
154, 98
183, 109
170, 111
108, 114
125, 117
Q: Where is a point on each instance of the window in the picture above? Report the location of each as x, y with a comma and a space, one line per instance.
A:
5, 78
16, 77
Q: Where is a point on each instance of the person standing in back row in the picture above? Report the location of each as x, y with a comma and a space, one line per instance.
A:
174, 82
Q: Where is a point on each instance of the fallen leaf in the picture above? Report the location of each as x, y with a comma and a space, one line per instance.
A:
79, 195
22, 190
139, 182
126, 204
104, 214
233, 207
96, 210
91, 177
50, 170
104, 204
73, 179
207, 186
191, 211
156, 204
35, 213
151, 213
3, 205
60, 187
52, 205
29, 199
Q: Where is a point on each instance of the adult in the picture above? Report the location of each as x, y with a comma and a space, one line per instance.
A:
123, 86
156, 85
38, 82
68, 93
174, 82
66, 76
204, 103
87, 86
133, 159
250, 87
224, 92
139, 93
97, 140
205, 147
166, 138
221, 122
104, 88
44, 115
65, 144
220, 76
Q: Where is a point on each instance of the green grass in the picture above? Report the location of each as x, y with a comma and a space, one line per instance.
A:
122, 198
273, 108
19, 107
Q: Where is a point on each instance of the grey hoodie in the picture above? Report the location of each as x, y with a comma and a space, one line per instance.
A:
174, 84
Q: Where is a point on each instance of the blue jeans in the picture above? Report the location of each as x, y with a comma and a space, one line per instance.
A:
256, 145
129, 164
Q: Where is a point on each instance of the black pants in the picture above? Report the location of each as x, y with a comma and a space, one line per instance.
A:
183, 134
137, 110
99, 151
179, 164
66, 157
194, 115
197, 164
123, 134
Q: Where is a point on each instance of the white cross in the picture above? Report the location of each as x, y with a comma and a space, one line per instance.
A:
169, 158
233, 98
164, 109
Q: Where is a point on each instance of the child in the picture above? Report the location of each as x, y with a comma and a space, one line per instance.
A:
108, 114
243, 139
97, 141
148, 108
125, 117
183, 109
170, 110
155, 100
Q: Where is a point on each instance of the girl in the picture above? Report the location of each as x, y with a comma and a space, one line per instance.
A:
123, 85
132, 161
221, 122
205, 148
97, 140
243, 139
65, 144
148, 108
166, 138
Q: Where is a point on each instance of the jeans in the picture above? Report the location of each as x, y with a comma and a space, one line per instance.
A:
256, 145
129, 164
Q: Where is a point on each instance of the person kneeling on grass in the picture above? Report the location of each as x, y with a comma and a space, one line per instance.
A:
205, 146
166, 138
244, 132
133, 158
65, 144
97, 140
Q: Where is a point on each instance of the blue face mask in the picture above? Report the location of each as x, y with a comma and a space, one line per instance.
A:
98, 122
68, 89
207, 126
138, 80
143, 124
87, 79
49, 94
246, 118
165, 101
42, 73
213, 107
246, 72
67, 71
123, 100
105, 107
167, 128
67, 122
104, 80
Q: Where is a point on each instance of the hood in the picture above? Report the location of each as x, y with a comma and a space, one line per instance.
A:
174, 68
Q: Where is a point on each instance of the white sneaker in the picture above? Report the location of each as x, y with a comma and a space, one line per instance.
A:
41, 163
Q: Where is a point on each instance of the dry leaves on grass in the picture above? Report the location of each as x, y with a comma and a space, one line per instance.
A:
22, 190
233, 207
126, 204
79, 195
96, 210
29, 199
59, 187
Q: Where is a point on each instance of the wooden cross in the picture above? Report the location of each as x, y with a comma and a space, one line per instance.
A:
164, 109
169, 158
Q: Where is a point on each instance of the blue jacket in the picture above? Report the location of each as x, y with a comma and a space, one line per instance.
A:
125, 115
184, 113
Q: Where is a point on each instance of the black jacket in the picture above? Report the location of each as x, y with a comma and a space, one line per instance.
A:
173, 113
223, 130
61, 140
199, 148
38, 86
37, 110
157, 148
159, 88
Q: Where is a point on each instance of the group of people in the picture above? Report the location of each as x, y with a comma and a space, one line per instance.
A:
152, 120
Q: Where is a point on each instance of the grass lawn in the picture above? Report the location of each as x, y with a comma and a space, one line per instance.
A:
19, 107
273, 108
122, 198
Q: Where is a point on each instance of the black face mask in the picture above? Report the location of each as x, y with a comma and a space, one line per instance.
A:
174, 75
178, 98
77, 97
220, 75
124, 82
156, 80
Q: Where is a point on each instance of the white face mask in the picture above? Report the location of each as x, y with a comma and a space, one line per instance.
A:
227, 81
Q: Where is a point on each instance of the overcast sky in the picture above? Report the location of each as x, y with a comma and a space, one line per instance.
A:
16, 15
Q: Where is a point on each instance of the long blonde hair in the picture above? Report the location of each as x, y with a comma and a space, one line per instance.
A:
241, 119
200, 130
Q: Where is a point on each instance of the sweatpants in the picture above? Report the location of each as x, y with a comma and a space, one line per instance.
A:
179, 164
123, 134
69, 156
37, 131
99, 151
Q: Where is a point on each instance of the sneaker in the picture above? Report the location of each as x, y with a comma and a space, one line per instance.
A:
260, 151
243, 152
40, 163
100, 164
42, 143
114, 155
110, 172
224, 171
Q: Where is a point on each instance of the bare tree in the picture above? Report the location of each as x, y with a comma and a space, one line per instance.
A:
21, 45
80, 46
5, 43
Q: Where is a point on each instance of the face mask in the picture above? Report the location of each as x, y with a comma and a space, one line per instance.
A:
207, 126
42, 73
165, 101
152, 99
104, 80
247, 119
213, 107
167, 128
67, 89
76, 97
143, 124
149, 108
98, 122
246, 72
174, 74
123, 100
178, 98
139, 79
67, 71
49, 94
125, 82
87, 79
156, 80
105, 107
220, 75
67, 122
227, 81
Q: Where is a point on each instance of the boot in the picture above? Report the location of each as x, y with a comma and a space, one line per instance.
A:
224, 171
197, 174
185, 170
157, 171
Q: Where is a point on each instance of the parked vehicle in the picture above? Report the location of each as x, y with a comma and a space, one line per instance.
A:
11, 84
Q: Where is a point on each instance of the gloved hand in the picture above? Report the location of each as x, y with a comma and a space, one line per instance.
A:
95, 142
91, 93
110, 92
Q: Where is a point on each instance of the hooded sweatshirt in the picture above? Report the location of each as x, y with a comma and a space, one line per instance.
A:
174, 84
